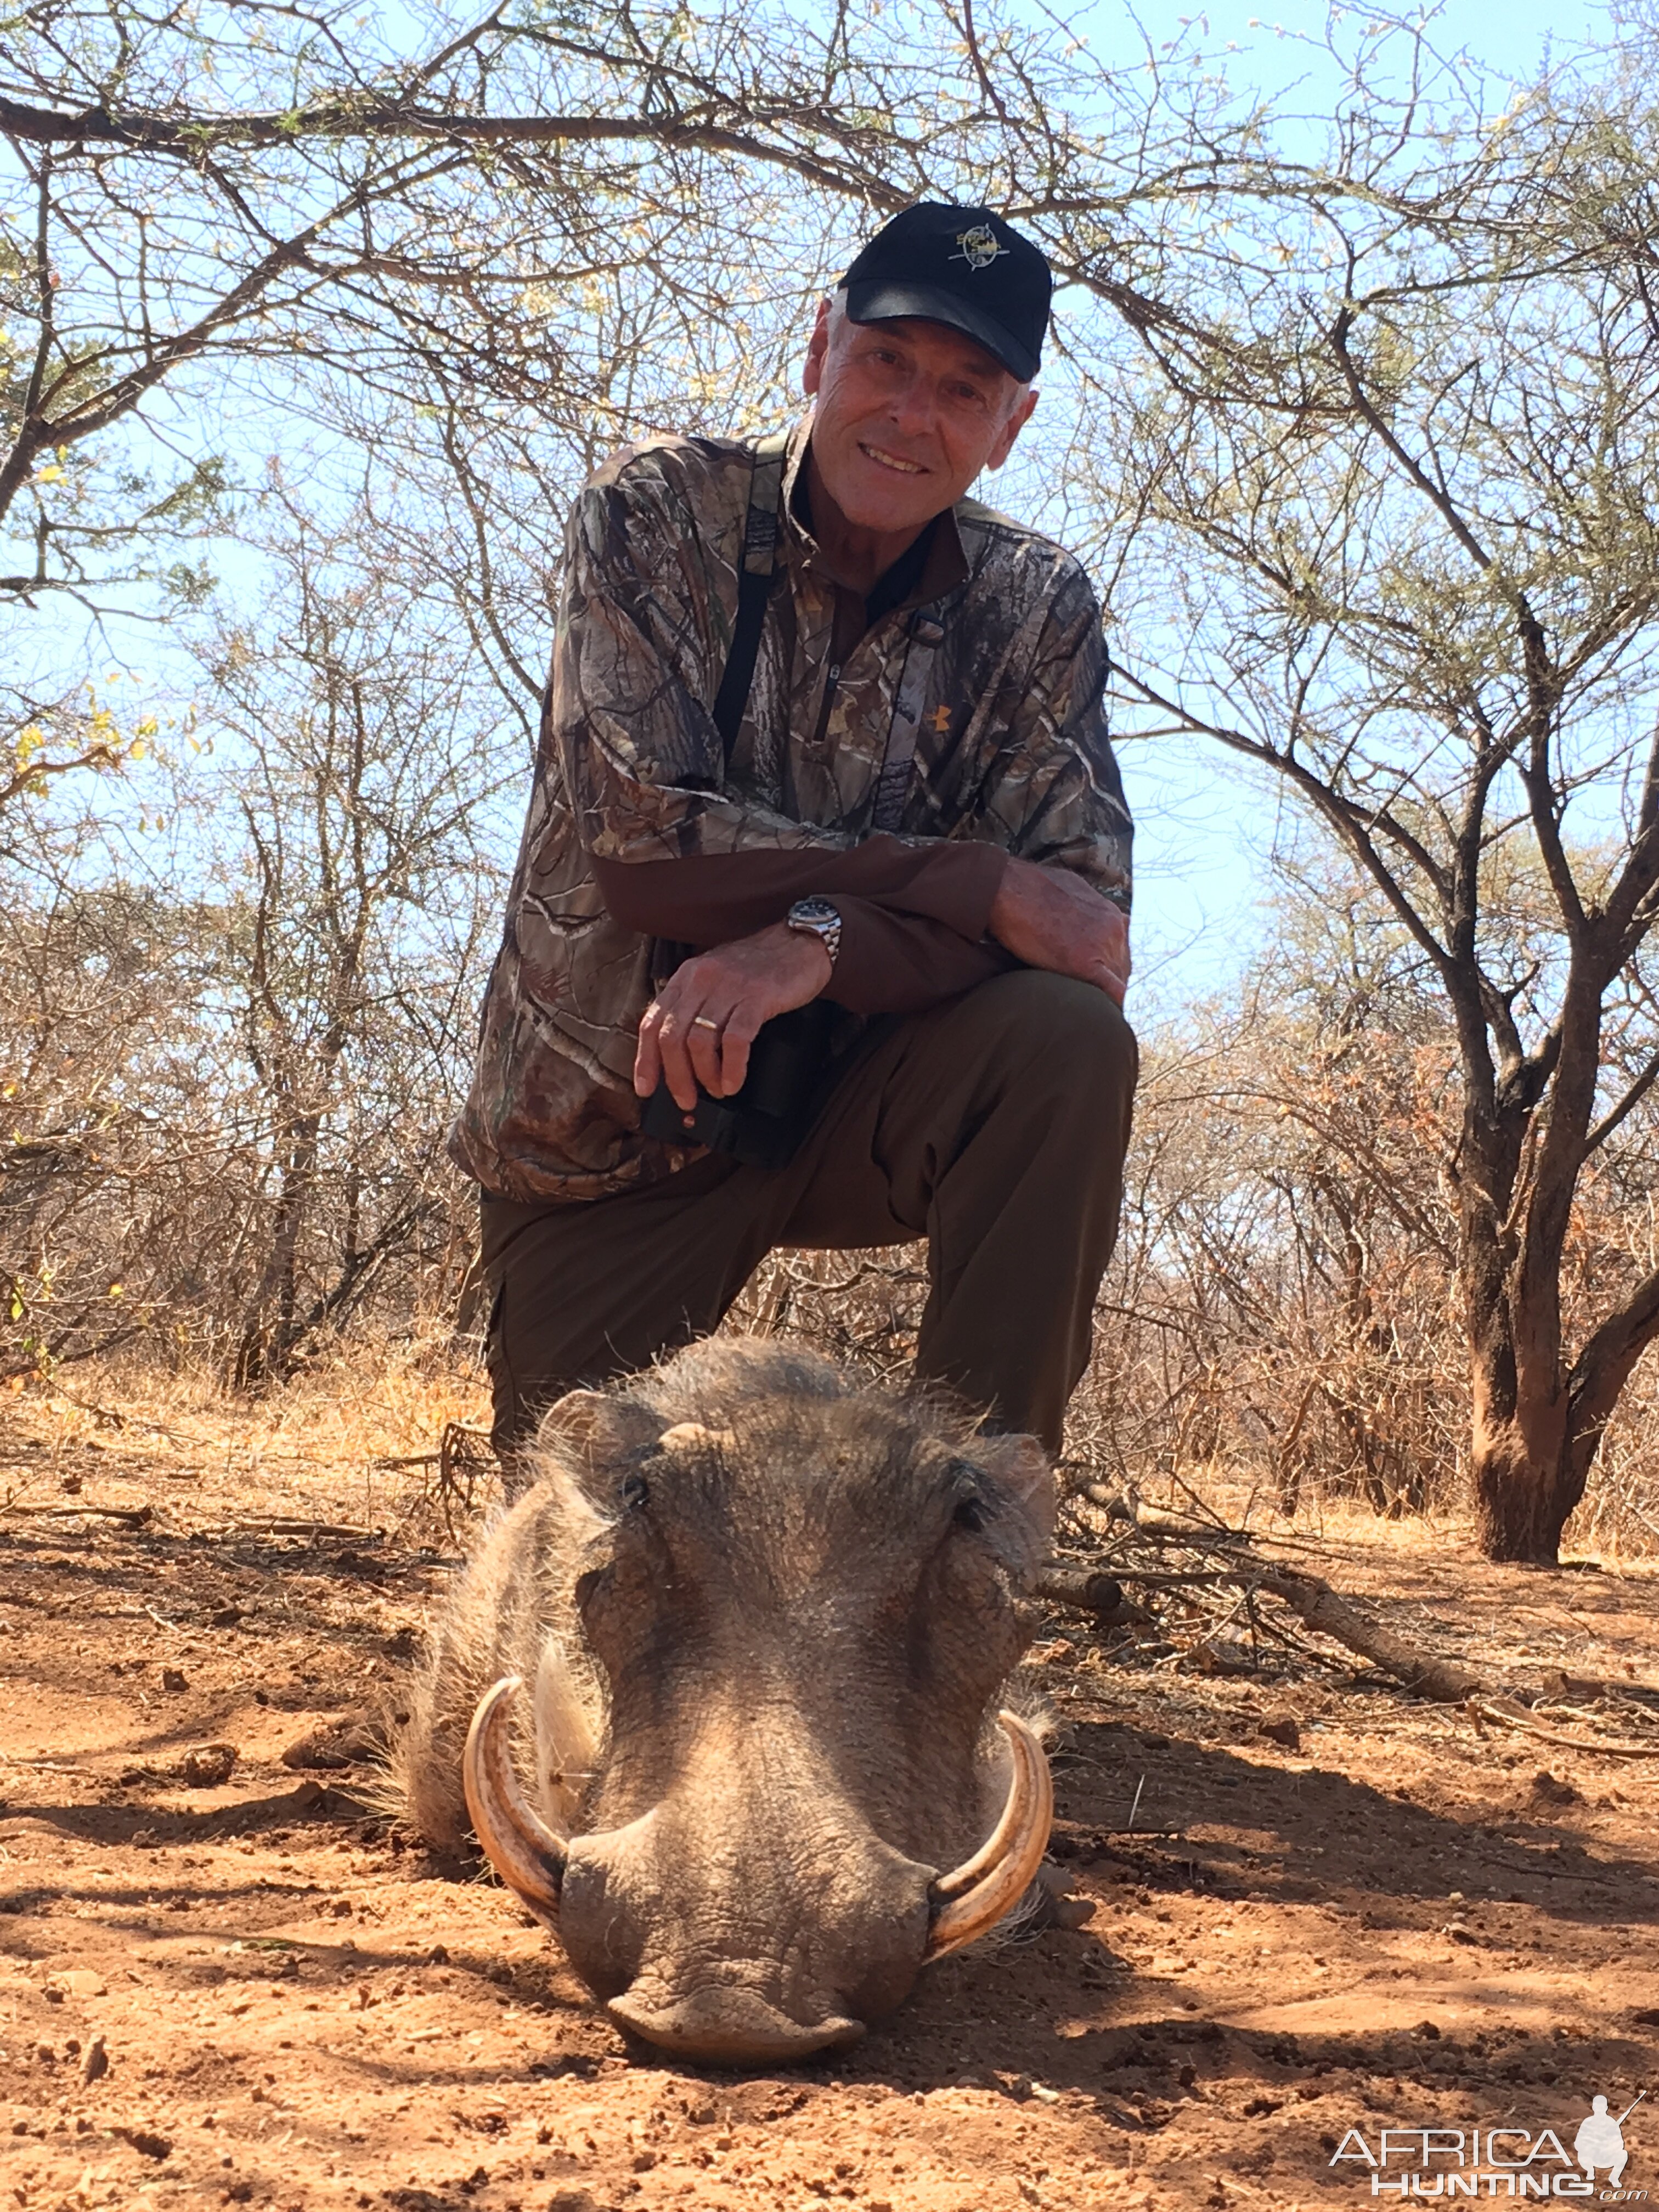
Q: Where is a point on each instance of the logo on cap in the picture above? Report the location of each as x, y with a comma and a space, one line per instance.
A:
978, 247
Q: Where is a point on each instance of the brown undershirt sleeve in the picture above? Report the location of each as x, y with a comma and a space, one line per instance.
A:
913, 919
892, 963
713, 898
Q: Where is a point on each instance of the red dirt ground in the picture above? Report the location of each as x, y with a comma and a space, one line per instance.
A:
1391, 1919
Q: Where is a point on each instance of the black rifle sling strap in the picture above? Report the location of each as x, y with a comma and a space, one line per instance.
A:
760, 554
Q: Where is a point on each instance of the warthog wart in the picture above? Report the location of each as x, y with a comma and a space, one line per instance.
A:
768, 1610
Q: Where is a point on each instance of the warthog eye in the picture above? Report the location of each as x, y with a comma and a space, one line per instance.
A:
971, 1514
635, 1491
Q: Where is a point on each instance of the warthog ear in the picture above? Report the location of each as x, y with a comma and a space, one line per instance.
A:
594, 1438
1018, 1467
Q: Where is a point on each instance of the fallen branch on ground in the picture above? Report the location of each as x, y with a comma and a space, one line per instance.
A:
1231, 1562
1509, 1715
1101, 1595
277, 1524
134, 1515
1315, 1603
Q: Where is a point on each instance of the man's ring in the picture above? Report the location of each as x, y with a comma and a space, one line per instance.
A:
702, 1022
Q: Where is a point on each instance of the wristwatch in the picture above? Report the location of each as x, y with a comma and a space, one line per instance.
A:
818, 919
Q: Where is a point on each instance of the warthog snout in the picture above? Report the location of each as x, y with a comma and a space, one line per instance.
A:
766, 1948
783, 1941
768, 1609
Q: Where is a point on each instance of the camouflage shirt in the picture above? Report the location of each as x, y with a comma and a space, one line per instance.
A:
1011, 751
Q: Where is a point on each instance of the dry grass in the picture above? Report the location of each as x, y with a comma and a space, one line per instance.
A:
324, 1446
1344, 1523
328, 1444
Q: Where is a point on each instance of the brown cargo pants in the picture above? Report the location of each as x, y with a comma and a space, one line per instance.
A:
994, 1125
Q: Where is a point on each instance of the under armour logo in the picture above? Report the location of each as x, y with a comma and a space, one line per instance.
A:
941, 720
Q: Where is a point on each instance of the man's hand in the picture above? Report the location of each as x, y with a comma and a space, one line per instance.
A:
1050, 918
700, 1024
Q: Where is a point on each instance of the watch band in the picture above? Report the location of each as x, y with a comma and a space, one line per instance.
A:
818, 918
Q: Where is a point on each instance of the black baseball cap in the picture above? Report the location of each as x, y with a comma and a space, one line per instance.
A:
961, 266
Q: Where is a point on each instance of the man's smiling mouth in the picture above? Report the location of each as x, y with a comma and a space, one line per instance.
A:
883, 458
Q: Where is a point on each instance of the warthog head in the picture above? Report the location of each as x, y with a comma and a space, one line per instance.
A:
769, 1609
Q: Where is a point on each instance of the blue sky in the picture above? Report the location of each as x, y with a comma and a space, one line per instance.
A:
1511, 38
1205, 830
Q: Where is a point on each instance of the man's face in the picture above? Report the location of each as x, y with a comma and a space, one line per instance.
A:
907, 413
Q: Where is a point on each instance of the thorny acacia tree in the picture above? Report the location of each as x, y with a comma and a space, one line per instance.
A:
473, 250
233, 1032
292, 188
491, 245
355, 919
1396, 398
1421, 480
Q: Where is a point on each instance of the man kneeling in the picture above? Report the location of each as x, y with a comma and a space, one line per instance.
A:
822, 732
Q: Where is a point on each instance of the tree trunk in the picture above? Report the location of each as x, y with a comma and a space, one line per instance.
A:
1538, 1426
265, 1352
1528, 1467
1525, 1477
1526, 1480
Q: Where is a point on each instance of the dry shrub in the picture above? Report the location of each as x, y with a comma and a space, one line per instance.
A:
347, 1440
862, 1306
1620, 1516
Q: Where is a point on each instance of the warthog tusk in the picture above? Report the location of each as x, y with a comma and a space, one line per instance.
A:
990, 1883
518, 1842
